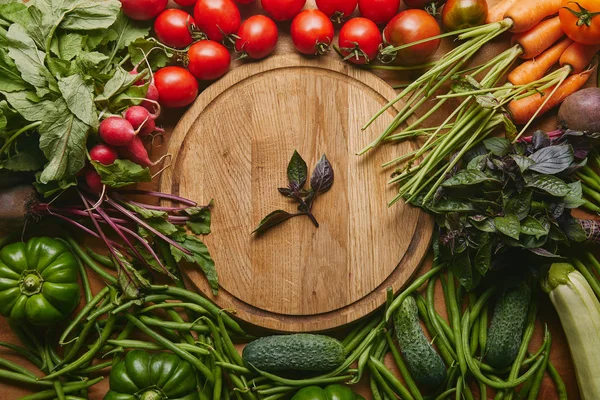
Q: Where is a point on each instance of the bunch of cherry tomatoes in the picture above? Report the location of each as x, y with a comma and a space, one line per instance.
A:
205, 35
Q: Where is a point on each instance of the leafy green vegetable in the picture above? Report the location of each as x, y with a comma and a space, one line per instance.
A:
122, 173
200, 256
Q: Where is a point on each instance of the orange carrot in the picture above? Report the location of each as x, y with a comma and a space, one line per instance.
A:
526, 14
578, 56
532, 70
539, 38
496, 13
524, 109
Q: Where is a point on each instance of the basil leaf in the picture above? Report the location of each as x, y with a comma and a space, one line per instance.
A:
297, 172
467, 177
579, 230
200, 256
498, 146
483, 224
477, 163
522, 162
508, 225
63, 140
483, 258
122, 173
271, 220
80, 99
461, 266
552, 159
531, 226
549, 184
540, 140
519, 205
574, 198
322, 176
452, 205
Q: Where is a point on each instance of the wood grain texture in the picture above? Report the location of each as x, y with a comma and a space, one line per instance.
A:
233, 146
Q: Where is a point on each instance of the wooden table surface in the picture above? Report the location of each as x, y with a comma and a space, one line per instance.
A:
546, 315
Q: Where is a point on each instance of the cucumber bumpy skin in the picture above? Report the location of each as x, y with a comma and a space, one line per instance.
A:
424, 363
298, 352
508, 322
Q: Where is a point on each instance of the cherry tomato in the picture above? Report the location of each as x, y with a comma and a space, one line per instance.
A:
244, 1
217, 18
143, 10
410, 26
186, 3
176, 86
312, 32
580, 20
359, 40
173, 27
257, 37
424, 4
208, 60
283, 10
337, 9
461, 14
378, 11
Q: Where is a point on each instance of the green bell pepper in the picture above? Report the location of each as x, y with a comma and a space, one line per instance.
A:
331, 392
38, 281
157, 376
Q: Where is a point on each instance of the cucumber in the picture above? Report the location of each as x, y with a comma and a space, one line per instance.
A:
298, 352
423, 362
508, 322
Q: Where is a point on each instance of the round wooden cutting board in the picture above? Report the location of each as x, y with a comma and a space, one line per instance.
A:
234, 145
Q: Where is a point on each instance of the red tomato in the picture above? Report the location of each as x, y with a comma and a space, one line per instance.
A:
244, 1
283, 10
312, 32
208, 60
359, 40
257, 37
337, 9
461, 14
580, 20
378, 11
410, 26
176, 86
186, 3
424, 4
217, 18
173, 28
143, 10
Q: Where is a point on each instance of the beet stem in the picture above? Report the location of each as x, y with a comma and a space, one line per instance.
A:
161, 196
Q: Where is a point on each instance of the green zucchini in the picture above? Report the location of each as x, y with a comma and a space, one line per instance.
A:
506, 330
423, 362
299, 352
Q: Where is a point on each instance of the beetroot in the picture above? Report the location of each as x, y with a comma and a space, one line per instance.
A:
15, 204
136, 152
116, 131
103, 154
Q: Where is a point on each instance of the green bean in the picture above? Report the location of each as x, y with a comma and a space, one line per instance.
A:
186, 335
444, 284
447, 393
374, 388
276, 396
423, 313
60, 394
139, 344
101, 311
362, 363
216, 335
348, 338
380, 349
539, 376
438, 330
89, 355
455, 318
227, 343
394, 382
68, 388
277, 389
417, 283
588, 275
217, 388
474, 343
35, 360
85, 282
404, 372
459, 388
387, 391
54, 355
170, 346
452, 375
83, 313
496, 384
358, 338
483, 330
187, 326
304, 382
105, 261
188, 306
146, 299
94, 368
196, 298
79, 342
558, 382
89, 262
234, 368
16, 368
467, 392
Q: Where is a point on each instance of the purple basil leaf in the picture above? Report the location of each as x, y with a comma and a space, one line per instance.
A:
552, 159
287, 192
297, 172
540, 140
322, 177
274, 218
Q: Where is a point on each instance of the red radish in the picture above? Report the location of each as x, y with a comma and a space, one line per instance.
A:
141, 120
93, 180
143, 10
186, 3
116, 131
136, 152
103, 154
153, 98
